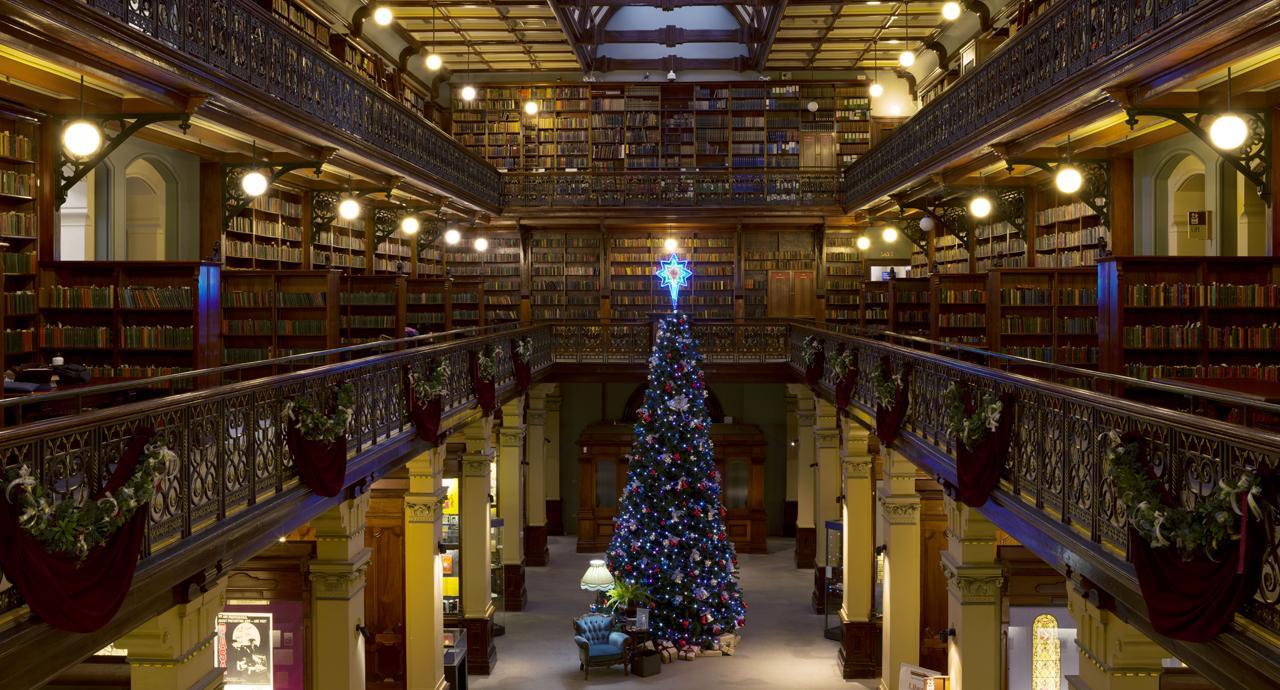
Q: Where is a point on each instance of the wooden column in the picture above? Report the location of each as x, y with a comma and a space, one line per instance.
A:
806, 533
1121, 208
511, 441
789, 507
827, 490
535, 450
551, 466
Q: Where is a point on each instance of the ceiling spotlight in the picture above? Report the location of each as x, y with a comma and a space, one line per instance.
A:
468, 93
864, 243
980, 206
382, 16
254, 183
81, 139
906, 58
1068, 179
951, 11
877, 89
349, 209
481, 244
530, 107
889, 234
410, 225
1228, 132
452, 236
434, 62
671, 244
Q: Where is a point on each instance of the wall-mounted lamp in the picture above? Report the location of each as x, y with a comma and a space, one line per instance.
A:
943, 635
882, 549
364, 633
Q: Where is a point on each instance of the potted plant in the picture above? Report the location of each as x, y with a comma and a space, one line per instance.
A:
624, 597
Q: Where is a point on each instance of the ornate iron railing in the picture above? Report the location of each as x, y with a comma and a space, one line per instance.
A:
230, 440
241, 39
1071, 40
787, 188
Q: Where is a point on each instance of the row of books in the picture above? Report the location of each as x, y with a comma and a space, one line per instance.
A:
17, 146
15, 183
252, 299
367, 298
1245, 337
1265, 372
962, 296
157, 337
1173, 337
19, 302
1202, 295
18, 224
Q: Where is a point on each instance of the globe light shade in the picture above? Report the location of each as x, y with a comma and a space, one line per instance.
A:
864, 243
811, 106
81, 139
530, 107
382, 16
671, 244
468, 93
927, 223
452, 236
349, 209
481, 244
597, 577
434, 62
980, 207
889, 234
254, 183
951, 11
1228, 132
876, 90
1068, 179
906, 58
410, 225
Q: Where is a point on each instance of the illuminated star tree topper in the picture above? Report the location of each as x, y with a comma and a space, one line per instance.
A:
675, 274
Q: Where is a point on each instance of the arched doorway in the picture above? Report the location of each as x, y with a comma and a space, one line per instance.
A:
150, 217
1180, 189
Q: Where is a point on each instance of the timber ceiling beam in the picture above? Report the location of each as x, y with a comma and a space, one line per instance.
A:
672, 36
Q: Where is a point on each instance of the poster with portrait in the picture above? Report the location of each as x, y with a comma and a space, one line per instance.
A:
244, 649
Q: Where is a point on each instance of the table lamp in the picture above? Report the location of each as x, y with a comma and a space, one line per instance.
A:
597, 579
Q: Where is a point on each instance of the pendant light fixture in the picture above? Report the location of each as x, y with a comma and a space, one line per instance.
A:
1068, 178
254, 183
452, 236
877, 89
81, 138
468, 91
906, 58
980, 206
410, 225
434, 61
1228, 130
382, 14
349, 207
951, 11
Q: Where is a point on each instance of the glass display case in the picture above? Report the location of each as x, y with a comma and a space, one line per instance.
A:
451, 540
830, 579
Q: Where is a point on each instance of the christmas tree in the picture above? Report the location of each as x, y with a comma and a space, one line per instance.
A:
669, 535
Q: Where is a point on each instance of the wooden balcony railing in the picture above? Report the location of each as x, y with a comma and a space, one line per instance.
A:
667, 189
241, 39
1068, 52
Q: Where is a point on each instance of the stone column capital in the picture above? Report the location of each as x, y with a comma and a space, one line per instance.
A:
857, 466
806, 417
339, 579
973, 584
534, 417
421, 509
900, 510
476, 464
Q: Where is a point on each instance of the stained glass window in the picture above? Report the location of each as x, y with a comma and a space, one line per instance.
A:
1046, 654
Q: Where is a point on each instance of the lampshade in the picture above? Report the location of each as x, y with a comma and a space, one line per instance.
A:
597, 577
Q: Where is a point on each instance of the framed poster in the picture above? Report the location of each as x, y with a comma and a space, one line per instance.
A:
642, 618
244, 649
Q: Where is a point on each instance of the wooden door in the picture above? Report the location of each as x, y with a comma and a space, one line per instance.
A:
803, 290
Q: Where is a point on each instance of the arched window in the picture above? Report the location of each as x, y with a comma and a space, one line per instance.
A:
1046, 654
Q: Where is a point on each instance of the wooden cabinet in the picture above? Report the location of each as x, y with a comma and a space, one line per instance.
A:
602, 474
791, 294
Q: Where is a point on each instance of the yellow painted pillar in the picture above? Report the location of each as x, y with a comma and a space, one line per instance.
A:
551, 466
900, 511
806, 534
792, 469
1113, 654
975, 582
176, 648
424, 579
473, 502
826, 443
511, 470
860, 640
535, 453
337, 595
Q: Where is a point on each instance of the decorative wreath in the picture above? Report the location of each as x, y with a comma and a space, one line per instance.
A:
1206, 528
812, 346
970, 429
487, 362
72, 528
523, 350
315, 424
430, 387
842, 363
886, 387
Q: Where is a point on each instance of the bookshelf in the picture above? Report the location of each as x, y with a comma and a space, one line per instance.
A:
278, 313
958, 308
1047, 314
1069, 235
302, 19
950, 255
844, 275
875, 305
268, 234
565, 275
765, 251
852, 123
393, 255
909, 306
467, 302
632, 262
635, 292
128, 320
998, 245
19, 233
371, 307
1189, 317
341, 244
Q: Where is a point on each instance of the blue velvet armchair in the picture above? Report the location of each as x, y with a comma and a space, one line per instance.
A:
598, 643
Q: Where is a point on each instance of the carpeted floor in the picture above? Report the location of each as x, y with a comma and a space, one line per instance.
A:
782, 645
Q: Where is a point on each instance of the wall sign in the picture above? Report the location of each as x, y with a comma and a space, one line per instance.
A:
244, 649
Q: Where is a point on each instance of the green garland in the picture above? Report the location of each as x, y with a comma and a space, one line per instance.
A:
842, 364
72, 528
315, 424
886, 387
487, 362
1207, 528
812, 346
427, 388
970, 429
523, 351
